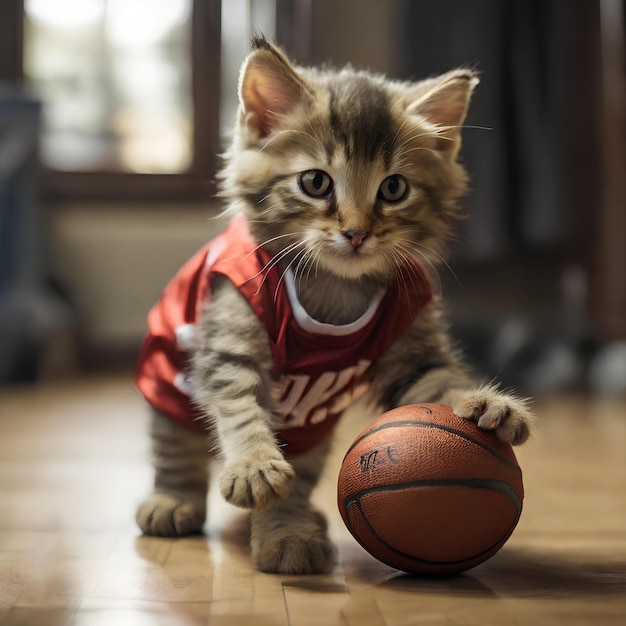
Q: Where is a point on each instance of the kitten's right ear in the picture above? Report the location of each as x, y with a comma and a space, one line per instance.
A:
269, 87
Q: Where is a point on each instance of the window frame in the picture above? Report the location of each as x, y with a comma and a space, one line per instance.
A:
198, 181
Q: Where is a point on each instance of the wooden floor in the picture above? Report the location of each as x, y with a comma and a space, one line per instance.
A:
74, 464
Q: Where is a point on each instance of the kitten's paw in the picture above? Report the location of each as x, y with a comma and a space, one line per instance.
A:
256, 483
163, 515
291, 542
490, 409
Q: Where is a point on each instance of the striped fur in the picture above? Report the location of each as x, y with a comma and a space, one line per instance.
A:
371, 137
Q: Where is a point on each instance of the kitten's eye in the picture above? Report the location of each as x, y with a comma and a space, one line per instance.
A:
393, 188
316, 183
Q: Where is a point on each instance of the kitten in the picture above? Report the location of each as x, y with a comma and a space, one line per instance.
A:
343, 186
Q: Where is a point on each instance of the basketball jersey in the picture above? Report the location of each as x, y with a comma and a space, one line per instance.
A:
318, 369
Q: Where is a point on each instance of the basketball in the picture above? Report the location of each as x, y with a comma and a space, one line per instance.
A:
427, 492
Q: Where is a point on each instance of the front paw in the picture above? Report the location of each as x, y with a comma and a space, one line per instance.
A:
505, 414
164, 515
256, 482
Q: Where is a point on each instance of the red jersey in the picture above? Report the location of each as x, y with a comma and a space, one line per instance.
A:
318, 369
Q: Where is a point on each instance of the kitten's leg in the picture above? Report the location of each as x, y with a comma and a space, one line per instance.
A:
178, 504
423, 367
291, 537
491, 409
231, 368
231, 371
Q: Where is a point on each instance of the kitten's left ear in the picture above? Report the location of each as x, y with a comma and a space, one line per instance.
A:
268, 88
444, 104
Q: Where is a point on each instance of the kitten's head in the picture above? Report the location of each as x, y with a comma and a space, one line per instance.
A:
345, 170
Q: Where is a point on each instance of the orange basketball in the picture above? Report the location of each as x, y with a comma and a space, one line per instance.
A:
427, 492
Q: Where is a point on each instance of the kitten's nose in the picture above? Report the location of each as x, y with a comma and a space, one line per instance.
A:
356, 237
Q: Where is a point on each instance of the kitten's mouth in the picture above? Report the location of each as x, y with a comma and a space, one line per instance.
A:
354, 257
367, 250
349, 251
354, 252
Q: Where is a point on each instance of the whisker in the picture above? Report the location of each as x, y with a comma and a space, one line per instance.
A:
442, 260
414, 137
433, 269
293, 131
314, 137
411, 251
407, 274
396, 135
272, 239
464, 126
437, 131
416, 149
282, 276
316, 256
275, 260
302, 257
405, 266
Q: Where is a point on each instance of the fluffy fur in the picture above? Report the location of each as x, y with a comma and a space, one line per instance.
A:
342, 176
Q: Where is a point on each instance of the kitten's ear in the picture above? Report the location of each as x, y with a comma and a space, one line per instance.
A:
268, 88
443, 102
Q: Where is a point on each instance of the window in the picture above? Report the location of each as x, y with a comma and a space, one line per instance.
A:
118, 97
130, 91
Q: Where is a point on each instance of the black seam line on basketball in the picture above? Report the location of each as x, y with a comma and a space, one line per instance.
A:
410, 557
452, 431
473, 483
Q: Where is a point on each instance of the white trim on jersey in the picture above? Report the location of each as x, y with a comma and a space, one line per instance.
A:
311, 325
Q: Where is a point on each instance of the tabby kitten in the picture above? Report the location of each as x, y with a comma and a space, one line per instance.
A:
341, 184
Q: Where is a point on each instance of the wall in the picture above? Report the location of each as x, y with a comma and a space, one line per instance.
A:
357, 32
116, 259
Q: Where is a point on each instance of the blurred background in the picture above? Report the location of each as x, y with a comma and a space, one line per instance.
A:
113, 114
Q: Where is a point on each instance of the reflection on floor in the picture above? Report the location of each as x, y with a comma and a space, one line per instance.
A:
73, 465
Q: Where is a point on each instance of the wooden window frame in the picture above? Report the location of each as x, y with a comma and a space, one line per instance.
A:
198, 181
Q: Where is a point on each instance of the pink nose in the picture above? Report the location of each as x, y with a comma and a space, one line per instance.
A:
356, 237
